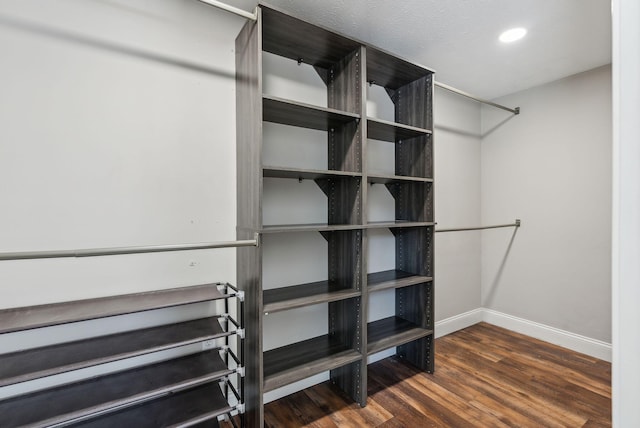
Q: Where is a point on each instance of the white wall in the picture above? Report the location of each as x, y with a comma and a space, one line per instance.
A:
457, 204
551, 167
626, 213
104, 146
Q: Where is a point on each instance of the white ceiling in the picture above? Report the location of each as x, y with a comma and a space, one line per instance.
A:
459, 38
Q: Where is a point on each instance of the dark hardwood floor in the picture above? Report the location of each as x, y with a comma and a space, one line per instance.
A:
485, 377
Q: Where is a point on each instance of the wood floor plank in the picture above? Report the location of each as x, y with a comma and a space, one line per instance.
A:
444, 396
402, 411
485, 376
327, 397
519, 394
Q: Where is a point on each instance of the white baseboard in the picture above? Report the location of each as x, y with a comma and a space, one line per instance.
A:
458, 322
575, 342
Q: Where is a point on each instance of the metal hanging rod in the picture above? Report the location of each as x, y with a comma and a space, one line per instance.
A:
496, 226
473, 97
26, 255
232, 9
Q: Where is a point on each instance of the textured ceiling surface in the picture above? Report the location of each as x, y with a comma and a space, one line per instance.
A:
459, 38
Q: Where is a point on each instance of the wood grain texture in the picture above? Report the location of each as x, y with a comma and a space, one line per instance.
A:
17, 319
344, 199
105, 393
191, 407
296, 296
393, 331
293, 38
249, 205
306, 174
383, 130
289, 112
414, 250
50, 360
393, 279
387, 70
413, 200
414, 157
300, 360
487, 377
414, 103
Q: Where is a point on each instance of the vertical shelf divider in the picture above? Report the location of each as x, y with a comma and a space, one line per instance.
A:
249, 217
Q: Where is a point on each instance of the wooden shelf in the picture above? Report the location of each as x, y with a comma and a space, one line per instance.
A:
393, 331
50, 360
389, 279
389, 71
291, 363
68, 402
384, 130
199, 407
80, 310
287, 112
280, 299
393, 224
292, 38
313, 227
306, 174
396, 179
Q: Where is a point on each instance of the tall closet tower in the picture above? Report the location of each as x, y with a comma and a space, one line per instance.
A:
346, 67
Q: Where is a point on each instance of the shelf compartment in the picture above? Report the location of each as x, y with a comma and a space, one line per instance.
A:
306, 174
384, 130
68, 402
393, 331
315, 227
298, 361
280, 299
412, 201
389, 71
396, 179
389, 279
397, 224
290, 37
201, 405
287, 112
17, 319
35, 363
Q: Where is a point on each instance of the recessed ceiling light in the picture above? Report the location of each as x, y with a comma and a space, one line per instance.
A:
512, 35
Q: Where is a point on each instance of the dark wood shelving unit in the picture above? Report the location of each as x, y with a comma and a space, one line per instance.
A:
346, 67
296, 296
383, 130
393, 331
389, 279
288, 112
395, 179
81, 399
183, 408
397, 224
16, 319
306, 174
300, 360
50, 360
108, 398
312, 227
